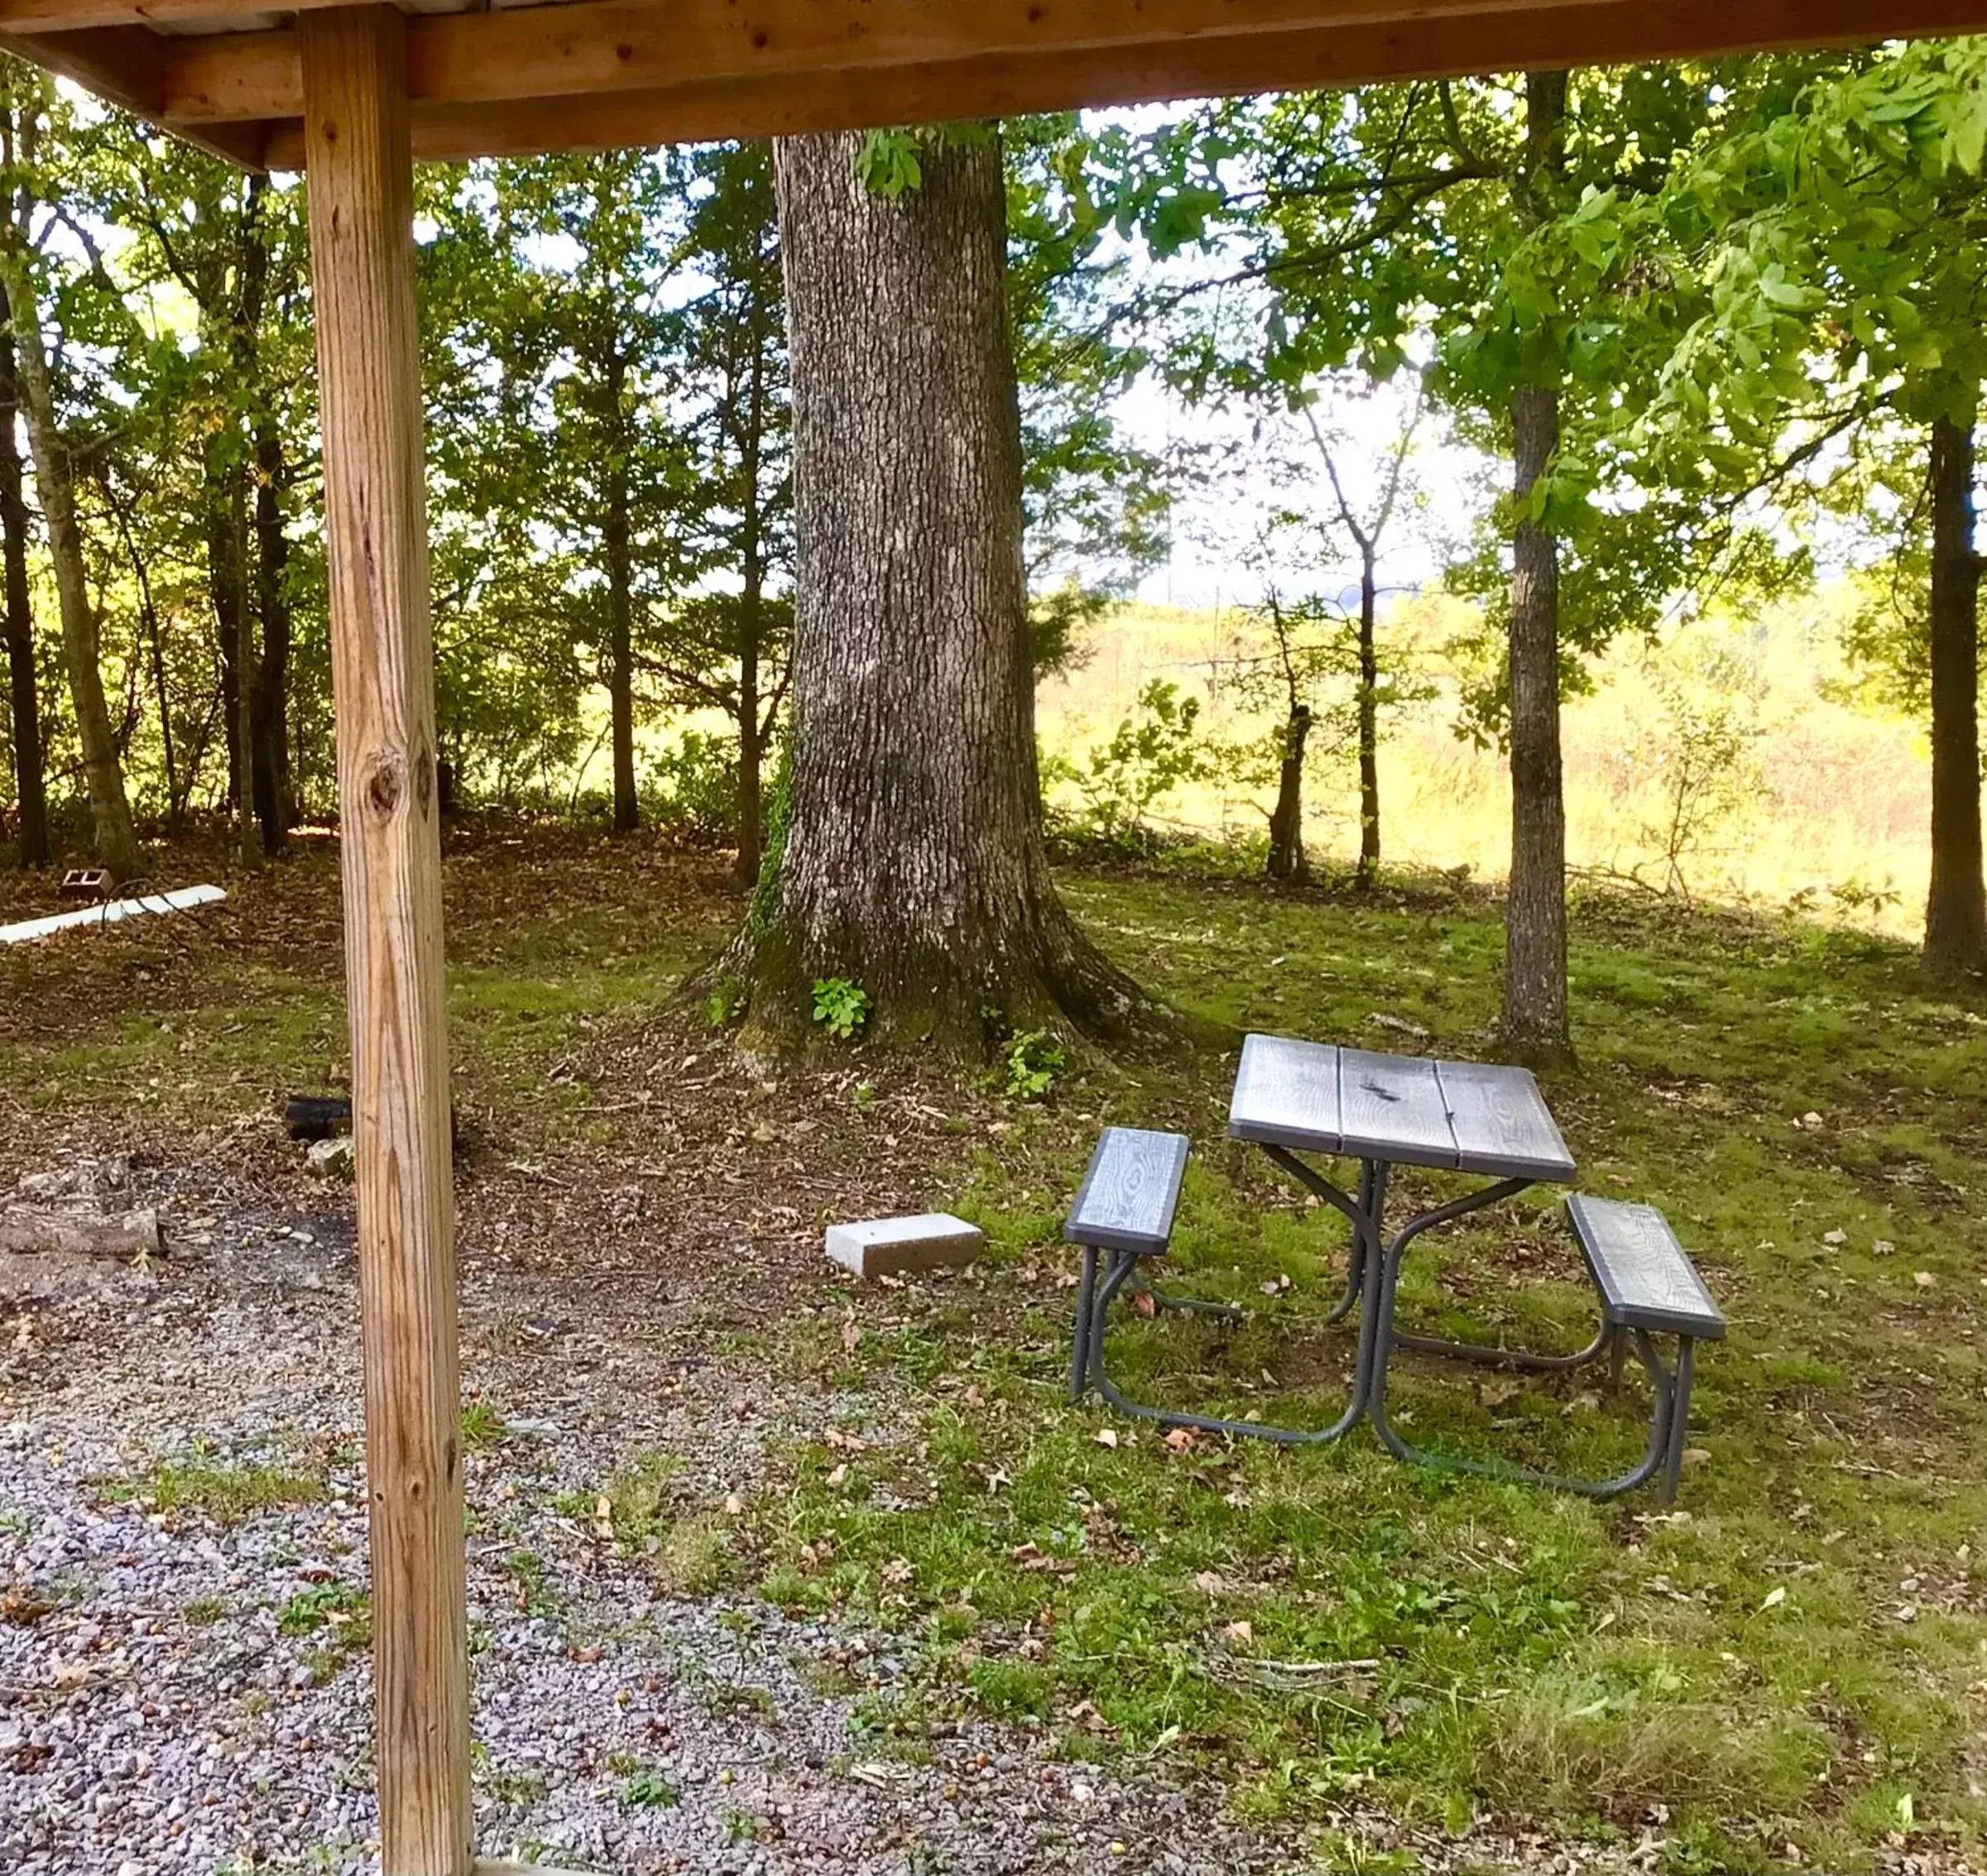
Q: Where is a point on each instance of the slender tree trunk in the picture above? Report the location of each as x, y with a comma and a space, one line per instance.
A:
155, 647
244, 669
621, 662
618, 543
156, 650
751, 612
30, 760
116, 841
1368, 870
1287, 859
223, 518
264, 728
914, 862
1956, 912
275, 805
1535, 1026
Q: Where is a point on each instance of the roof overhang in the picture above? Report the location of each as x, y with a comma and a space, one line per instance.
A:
512, 80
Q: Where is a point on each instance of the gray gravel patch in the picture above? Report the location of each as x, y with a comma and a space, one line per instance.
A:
180, 1693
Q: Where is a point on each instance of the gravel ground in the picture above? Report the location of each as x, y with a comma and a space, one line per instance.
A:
180, 1693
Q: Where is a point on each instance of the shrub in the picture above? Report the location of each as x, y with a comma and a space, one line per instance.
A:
840, 1007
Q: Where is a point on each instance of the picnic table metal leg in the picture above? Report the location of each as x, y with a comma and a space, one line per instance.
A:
1079, 1357
1487, 1356
1372, 1206
1679, 1419
1185, 1305
1664, 1450
1123, 1265
1607, 1340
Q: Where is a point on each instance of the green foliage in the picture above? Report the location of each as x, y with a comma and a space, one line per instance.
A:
891, 161
693, 788
323, 1606
650, 1789
483, 1426
1034, 1059
1152, 753
779, 818
1702, 750
841, 1007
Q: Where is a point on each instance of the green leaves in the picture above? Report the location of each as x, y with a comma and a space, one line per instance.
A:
887, 164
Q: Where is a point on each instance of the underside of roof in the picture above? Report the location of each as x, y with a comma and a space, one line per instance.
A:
501, 80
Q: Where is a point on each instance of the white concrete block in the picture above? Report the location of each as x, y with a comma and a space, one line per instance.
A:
887, 1247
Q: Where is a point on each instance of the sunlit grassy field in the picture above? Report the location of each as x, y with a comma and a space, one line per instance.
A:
1824, 801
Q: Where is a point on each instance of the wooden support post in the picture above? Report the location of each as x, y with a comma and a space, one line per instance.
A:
362, 245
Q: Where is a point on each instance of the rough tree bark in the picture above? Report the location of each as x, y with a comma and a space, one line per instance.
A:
116, 841
30, 760
223, 524
1534, 1026
913, 863
1955, 911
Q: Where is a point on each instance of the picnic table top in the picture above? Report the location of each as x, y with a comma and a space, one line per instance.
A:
1410, 1111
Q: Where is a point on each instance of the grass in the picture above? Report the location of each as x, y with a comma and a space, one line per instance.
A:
1790, 1664
1787, 1664
683, 1548
230, 1495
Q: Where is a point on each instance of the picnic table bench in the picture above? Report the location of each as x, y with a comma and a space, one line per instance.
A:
1294, 1098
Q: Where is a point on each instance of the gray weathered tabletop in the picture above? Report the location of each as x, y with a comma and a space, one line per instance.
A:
1468, 1116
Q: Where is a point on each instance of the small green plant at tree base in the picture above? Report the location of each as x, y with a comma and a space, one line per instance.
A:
650, 1789
1034, 1058
840, 1007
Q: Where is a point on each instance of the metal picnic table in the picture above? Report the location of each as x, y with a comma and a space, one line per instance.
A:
1295, 1098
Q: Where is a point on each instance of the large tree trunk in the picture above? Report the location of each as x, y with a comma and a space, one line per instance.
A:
1955, 911
1534, 1025
30, 760
116, 841
1368, 871
914, 862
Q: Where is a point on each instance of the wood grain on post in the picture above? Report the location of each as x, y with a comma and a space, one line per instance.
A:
362, 243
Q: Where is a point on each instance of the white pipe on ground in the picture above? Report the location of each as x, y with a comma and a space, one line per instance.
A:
183, 900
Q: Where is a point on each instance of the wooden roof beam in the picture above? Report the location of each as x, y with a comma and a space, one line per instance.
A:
598, 46
121, 65
1594, 32
73, 16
